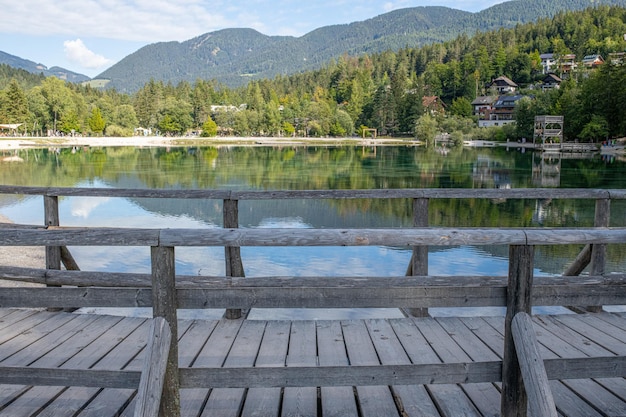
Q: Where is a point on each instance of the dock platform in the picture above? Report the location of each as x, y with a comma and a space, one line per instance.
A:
82, 341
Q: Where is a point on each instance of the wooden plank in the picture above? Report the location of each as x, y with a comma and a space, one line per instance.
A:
373, 400
225, 401
329, 376
411, 400
216, 343
582, 341
80, 236
37, 397
91, 356
262, 402
485, 397
75, 297
122, 354
370, 237
27, 337
29, 322
540, 400
450, 399
570, 404
45, 344
610, 338
340, 401
153, 371
301, 402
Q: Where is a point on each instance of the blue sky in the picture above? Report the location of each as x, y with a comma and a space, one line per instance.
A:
88, 36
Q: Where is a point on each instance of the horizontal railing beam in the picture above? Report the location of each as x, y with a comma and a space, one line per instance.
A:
324, 292
516, 193
395, 237
333, 376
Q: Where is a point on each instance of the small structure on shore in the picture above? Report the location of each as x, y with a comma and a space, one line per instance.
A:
548, 129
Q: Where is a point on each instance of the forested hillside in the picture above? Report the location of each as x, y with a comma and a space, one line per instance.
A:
235, 56
35, 68
383, 90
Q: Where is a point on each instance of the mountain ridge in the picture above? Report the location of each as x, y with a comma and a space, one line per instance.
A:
36, 68
234, 56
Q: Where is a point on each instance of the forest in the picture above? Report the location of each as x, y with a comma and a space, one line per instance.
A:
383, 91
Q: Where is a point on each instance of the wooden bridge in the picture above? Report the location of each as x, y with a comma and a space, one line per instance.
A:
59, 363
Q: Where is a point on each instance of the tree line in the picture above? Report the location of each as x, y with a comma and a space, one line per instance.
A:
383, 91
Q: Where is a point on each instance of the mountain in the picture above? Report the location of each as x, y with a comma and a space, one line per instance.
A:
235, 56
36, 68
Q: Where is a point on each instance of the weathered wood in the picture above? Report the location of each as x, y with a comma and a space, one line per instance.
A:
598, 251
234, 264
419, 258
24, 375
309, 237
51, 218
79, 236
580, 263
319, 292
68, 260
153, 371
335, 376
164, 305
540, 400
525, 193
521, 260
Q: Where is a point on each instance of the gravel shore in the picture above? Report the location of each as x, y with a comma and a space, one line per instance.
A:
23, 256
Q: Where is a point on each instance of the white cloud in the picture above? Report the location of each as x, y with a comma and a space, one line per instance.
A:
77, 52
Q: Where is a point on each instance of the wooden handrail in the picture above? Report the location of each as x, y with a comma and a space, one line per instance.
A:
397, 237
540, 400
432, 193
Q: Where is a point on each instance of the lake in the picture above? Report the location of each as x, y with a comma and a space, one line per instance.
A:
314, 168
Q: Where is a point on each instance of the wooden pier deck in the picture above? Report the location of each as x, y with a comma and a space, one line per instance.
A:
56, 363
79, 341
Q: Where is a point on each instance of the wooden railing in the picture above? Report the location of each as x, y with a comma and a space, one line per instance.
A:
166, 292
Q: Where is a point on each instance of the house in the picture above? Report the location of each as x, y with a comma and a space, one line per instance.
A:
503, 85
592, 61
548, 63
433, 105
501, 113
483, 106
551, 81
567, 63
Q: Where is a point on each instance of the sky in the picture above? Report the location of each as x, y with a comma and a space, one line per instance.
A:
89, 36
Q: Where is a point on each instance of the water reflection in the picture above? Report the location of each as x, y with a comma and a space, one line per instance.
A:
314, 168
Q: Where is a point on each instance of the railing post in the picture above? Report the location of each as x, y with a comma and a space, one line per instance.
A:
164, 305
51, 218
521, 259
419, 258
234, 264
598, 251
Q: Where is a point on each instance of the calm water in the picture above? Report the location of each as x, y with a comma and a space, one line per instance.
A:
268, 168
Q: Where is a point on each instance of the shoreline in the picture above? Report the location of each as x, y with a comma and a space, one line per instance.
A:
15, 143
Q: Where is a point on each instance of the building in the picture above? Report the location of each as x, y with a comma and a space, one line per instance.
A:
567, 63
483, 106
499, 113
592, 61
503, 85
548, 63
433, 105
551, 81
